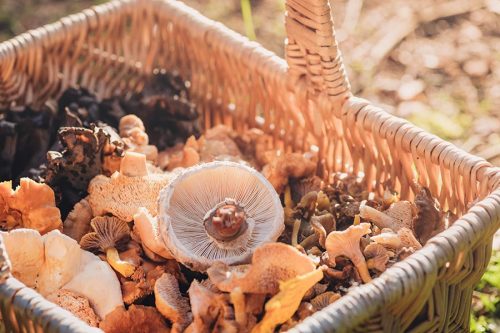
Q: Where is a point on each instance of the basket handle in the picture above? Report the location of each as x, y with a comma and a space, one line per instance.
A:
312, 51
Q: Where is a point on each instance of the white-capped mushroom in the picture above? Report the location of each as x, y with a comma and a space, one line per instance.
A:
218, 211
26, 253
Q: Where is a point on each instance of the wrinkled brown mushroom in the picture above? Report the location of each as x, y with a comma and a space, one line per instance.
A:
429, 219
122, 195
408, 238
377, 257
32, 205
77, 222
148, 229
171, 304
211, 311
109, 234
137, 319
218, 211
399, 215
271, 263
323, 300
346, 243
76, 304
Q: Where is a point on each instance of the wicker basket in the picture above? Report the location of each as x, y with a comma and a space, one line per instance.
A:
302, 101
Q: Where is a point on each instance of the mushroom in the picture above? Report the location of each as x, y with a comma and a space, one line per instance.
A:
211, 311
134, 135
388, 238
77, 222
429, 219
322, 226
76, 304
122, 195
280, 167
32, 205
218, 211
171, 304
377, 256
346, 243
66, 266
399, 215
283, 305
404, 253
63, 260
149, 232
408, 238
271, 263
26, 253
323, 300
109, 234
137, 319
237, 298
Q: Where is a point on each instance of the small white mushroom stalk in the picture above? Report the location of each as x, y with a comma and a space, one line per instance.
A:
219, 211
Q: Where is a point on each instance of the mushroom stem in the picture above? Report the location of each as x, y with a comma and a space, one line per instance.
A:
226, 221
362, 268
124, 268
238, 299
309, 241
295, 232
379, 218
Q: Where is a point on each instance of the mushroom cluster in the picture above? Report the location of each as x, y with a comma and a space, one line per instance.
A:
222, 232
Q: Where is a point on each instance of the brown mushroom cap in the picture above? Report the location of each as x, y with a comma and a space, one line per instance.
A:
377, 256
195, 200
137, 319
388, 238
169, 301
271, 263
346, 243
323, 300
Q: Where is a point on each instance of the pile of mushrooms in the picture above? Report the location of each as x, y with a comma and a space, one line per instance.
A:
222, 234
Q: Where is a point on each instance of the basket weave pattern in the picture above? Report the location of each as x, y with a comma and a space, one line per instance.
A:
302, 101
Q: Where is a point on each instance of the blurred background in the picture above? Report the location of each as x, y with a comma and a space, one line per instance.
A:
433, 62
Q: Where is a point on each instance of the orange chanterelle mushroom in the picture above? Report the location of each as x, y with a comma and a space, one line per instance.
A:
218, 211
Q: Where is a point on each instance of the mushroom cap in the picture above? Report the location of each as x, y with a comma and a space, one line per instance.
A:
121, 195
97, 281
184, 203
323, 300
169, 301
77, 222
109, 231
377, 256
34, 201
408, 238
26, 253
271, 263
388, 238
76, 304
137, 319
149, 233
63, 259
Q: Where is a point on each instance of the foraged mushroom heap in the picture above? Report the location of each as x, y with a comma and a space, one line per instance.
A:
222, 233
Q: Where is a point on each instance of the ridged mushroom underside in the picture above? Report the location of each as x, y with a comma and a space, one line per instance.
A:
198, 197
